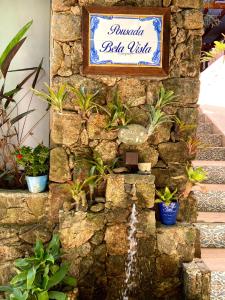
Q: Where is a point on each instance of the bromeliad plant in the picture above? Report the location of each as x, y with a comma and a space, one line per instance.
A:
195, 176
34, 161
118, 113
55, 99
166, 196
42, 276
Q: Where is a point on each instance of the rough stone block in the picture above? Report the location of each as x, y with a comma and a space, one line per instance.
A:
20, 207
66, 128
63, 5
7, 271
173, 152
58, 195
197, 278
66, 27
186, 89
107, 150
57, 58
116, 197
96, 128
193, 19
59, 166
132, 91
179, 240
77, 230
188, 3
116, 239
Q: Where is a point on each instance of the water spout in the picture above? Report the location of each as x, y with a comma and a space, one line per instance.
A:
131, 264
133, 192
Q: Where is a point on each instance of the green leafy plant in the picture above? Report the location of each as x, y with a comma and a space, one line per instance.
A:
166, 196
118, 113
55, 99
85, 100
42, 276
12, 120
78, 191
165, 97
219, 48
156, 118
35, 161
196, 174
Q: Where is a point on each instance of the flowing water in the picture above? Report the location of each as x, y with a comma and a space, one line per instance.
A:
131, 264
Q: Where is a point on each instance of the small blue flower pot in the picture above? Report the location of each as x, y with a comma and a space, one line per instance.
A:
37, 184
168, 213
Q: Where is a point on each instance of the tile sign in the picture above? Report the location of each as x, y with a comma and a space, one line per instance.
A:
133, 42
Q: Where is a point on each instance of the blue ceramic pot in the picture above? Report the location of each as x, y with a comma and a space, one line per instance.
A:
37, 184
168, 213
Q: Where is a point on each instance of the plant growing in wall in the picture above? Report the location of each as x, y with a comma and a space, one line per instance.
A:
118, 113
12, 122
36, 164
168, 205
84, 100
195, 176
41, 276
54, 98
135, 134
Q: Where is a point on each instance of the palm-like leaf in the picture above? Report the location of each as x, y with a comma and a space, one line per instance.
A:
156, 118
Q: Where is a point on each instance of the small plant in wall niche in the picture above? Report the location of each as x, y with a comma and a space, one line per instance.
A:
118, 113
168, 205
41, 276
195, 176
194, 144
79, 194
85, 100
134, 134
183, 130
36, 165
54, 98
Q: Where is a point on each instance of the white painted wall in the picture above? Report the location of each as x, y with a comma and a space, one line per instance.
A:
14, 14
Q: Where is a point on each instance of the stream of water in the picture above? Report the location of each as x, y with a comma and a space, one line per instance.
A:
131, 263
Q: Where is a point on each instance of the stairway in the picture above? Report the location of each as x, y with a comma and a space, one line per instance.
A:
211, 205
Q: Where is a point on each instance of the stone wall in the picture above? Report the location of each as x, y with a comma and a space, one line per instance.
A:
23, 219
95, 241
70, 132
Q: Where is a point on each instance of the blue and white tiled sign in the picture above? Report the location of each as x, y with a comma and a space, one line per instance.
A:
122, 40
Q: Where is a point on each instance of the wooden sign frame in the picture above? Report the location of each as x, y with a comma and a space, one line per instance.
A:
145, 69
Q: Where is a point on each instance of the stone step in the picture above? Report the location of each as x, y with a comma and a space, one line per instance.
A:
211, 217
201, 118
212, 235
214, 169
205, 128
211, 153
210, 139
210, 197
217, 286
214, 259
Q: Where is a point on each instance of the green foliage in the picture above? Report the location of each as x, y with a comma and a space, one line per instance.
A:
165, 98
37, 275
55, 99
157, 116
12, 120
85, 100
219, 48
196, 174
118, 113
35, 161
166, 196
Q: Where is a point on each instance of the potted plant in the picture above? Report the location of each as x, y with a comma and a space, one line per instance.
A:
42, 275
168, 205
36, 165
